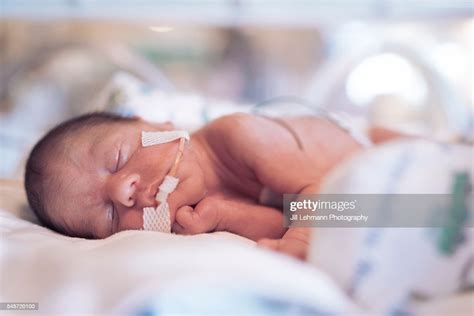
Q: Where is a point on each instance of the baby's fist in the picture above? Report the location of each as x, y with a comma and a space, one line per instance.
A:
201, 219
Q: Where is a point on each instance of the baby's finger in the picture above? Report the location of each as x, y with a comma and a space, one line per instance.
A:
184, 216
177, 228
192, 222
271, 244
184, 220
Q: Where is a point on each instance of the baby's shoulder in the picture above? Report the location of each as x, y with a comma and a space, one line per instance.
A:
234, 121
234, 128
237, 135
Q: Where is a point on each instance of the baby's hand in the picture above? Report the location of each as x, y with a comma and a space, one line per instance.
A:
203, 218
294, 243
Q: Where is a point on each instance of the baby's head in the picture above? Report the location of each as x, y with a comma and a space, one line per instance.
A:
91, 177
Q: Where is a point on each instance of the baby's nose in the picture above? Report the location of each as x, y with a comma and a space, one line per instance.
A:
124, 190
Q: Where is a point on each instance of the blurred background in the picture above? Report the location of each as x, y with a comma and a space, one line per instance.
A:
402, 64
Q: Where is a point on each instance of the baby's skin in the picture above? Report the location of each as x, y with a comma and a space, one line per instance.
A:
256, 155
229, 171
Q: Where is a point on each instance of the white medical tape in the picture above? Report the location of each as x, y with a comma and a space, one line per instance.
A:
156, 138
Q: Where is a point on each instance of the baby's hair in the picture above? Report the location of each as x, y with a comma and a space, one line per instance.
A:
36, 171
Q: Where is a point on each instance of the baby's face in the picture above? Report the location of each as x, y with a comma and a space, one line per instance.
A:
103, 178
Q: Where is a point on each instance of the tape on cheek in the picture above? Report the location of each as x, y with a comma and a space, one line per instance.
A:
159, 218
162, 137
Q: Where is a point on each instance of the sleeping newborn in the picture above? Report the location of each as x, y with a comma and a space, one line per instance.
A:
100, 174
95, 175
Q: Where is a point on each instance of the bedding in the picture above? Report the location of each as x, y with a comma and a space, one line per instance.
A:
128, 96
409, 265
74, 276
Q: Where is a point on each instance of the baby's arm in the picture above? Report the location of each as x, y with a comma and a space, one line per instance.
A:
277, 161
235, 215
269, 152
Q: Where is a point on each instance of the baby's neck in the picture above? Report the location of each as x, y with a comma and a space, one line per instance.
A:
207, 160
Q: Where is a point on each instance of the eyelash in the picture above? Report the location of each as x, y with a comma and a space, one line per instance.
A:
117, 164
112, 217
112, 207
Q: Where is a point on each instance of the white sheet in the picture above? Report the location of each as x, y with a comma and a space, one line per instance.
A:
385, 267
73, 275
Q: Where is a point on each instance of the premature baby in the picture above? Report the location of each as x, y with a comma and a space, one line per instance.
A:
100, 174
92, 176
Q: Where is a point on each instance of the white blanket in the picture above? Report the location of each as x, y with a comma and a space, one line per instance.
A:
72, 275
